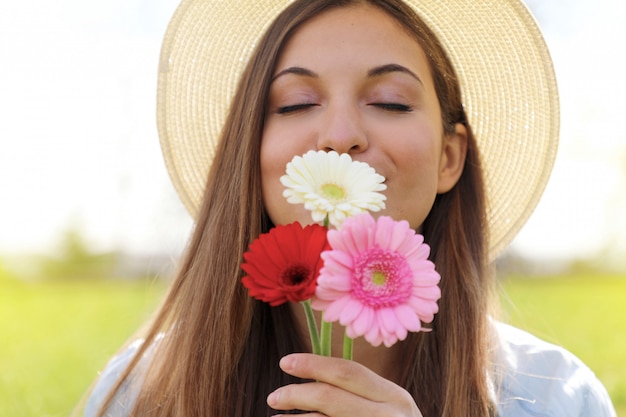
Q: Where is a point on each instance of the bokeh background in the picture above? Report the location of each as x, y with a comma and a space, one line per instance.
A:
90, 227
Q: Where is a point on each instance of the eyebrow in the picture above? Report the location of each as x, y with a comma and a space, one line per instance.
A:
374, 72
389, 68
297, 71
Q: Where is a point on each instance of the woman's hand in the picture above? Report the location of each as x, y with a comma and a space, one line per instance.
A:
344, 389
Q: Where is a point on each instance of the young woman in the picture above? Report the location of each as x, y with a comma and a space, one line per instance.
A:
371, 79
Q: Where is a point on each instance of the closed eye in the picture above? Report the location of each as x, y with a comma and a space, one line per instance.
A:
294, 108
395, 107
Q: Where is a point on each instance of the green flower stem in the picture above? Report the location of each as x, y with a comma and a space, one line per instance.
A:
347, 347
326, 333
327, 328
313, 332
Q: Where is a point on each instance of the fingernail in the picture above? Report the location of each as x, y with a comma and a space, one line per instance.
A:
287, 363
272, 399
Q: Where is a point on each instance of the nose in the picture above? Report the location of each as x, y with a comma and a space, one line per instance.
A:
341, 130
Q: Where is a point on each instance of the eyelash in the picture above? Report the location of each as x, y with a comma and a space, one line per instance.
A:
394, 107
294, 108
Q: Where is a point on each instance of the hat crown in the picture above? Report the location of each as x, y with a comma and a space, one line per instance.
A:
502, 62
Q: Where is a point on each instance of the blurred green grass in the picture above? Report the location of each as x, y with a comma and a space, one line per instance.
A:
56, 334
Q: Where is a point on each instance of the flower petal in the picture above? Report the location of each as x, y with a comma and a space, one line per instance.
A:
407, 317
336, 309
363, 322
350, 312
284, 263
308, 176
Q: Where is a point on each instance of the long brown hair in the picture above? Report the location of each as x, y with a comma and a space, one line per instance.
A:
221, 350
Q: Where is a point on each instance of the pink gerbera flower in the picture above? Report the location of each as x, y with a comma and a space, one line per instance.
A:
377, 280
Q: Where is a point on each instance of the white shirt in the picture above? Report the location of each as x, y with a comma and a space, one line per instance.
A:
531, 378
540, 379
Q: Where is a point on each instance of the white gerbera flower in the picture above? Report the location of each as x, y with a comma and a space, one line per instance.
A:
331, 184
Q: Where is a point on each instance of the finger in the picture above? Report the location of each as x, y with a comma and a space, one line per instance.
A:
302, 414
348, 375
319, 397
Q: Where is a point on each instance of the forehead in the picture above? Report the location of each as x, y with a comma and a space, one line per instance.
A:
360, 33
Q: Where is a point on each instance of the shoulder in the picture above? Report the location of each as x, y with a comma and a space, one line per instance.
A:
537, 378
125, 397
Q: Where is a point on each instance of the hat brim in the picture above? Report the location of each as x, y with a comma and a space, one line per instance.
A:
505, 70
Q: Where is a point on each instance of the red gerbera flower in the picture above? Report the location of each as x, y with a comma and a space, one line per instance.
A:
283, 265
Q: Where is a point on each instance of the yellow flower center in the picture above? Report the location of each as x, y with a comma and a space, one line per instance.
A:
333, 191
379, 278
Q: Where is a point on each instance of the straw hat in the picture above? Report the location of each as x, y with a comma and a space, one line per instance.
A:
506, 75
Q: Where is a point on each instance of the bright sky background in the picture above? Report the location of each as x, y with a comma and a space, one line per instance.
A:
80, 148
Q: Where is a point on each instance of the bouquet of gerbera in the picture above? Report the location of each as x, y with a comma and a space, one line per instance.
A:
371, 275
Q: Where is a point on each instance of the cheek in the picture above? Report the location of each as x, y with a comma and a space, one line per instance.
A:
412, 196
271, 170
413, 187
276, 152
274, 158
279, 144
416, 156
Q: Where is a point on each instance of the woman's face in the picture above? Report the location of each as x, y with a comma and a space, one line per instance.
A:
352, 80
